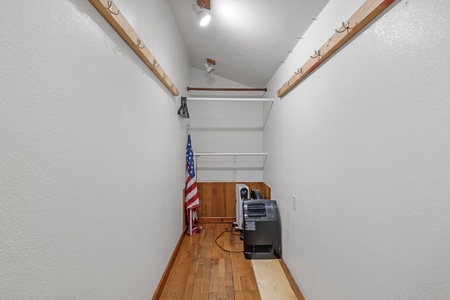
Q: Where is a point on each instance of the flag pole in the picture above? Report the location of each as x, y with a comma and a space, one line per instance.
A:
190, 222
195, 164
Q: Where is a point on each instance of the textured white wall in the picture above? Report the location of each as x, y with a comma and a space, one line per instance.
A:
225, 127
364, 145
91, 152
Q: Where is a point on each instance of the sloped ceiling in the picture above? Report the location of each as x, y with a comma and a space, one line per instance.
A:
249, 39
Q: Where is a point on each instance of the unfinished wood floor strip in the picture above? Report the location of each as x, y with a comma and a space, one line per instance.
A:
272, 282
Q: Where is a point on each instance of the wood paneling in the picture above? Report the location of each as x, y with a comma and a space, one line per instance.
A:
217, 220
218, 199
206, 4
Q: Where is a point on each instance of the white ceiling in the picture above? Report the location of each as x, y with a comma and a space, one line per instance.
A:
249, 39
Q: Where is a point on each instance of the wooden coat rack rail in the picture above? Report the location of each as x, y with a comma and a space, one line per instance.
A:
366, 13
116, 19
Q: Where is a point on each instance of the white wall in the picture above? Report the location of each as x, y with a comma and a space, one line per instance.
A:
91, 154
364, 145
228, 127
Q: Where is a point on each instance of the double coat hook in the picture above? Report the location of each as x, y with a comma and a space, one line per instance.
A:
346, 26
317, 53
110, 4
140, 44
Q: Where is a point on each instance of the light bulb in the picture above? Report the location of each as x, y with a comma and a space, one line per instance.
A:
203, 18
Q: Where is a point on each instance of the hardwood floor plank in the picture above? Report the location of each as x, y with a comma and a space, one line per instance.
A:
203, 271
247, 295
201, 285
197, 292
221, 267
243, 275
193, 274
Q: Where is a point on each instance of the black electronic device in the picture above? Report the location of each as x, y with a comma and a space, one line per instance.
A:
256, 194
262, 229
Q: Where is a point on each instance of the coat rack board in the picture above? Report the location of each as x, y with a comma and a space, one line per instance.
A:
366, 13
116, 19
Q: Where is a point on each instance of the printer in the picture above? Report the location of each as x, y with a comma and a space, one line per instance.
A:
262, 229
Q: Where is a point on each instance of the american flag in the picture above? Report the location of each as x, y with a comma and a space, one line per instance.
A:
192, 201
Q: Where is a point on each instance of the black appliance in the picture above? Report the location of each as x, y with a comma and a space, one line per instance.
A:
256, 194
262, 229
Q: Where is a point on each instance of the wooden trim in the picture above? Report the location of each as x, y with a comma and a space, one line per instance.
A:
205, 4
291, 280
116, 19
209, 220
366, 13
227, 89
165, 276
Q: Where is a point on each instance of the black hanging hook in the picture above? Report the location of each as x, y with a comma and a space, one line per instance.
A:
183, 110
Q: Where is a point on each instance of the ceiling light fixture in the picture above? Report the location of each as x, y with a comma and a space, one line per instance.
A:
203, 16
210, 63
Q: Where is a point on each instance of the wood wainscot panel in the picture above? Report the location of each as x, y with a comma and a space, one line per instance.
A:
218, 199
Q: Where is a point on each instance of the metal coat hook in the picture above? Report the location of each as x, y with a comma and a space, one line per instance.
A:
164, 76
317, 52
139, 43
299, 71
110, 4
286, 83
155, 63
346, 26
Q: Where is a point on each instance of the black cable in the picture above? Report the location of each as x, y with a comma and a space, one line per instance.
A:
231, 251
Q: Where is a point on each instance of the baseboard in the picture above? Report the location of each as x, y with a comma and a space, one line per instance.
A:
291, 280
206, 220
165, 276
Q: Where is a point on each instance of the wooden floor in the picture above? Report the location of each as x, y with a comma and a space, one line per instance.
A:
204, 271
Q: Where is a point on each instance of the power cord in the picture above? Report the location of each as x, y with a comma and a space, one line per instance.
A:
230, 231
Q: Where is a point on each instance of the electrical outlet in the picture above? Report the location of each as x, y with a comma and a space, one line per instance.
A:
294, 202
